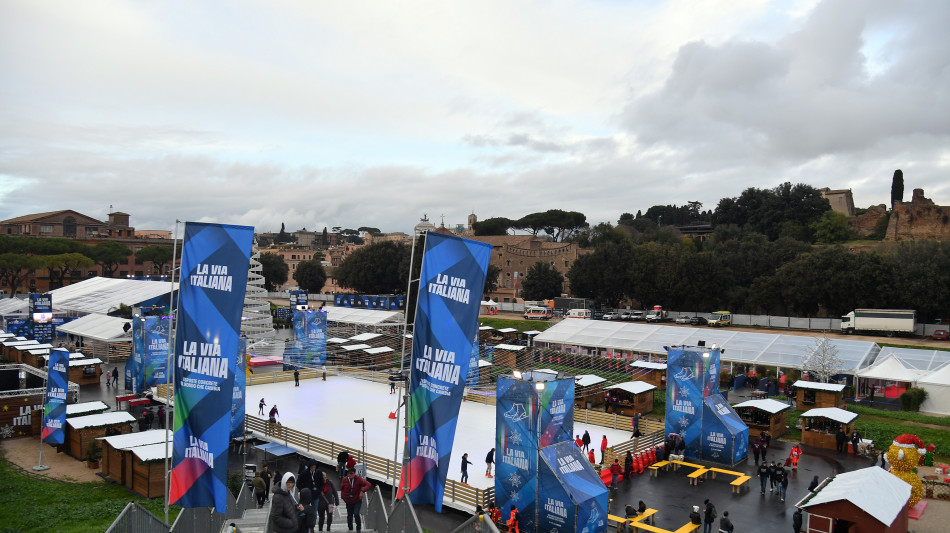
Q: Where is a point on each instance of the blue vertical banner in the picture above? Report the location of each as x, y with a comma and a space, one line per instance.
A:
572, 495
684, 396
516, 448
471, 381
310, 340
41, 317
299, 299
557, 412
155, 353
450, 290
214, 265
54, 409
135, 365
240, 386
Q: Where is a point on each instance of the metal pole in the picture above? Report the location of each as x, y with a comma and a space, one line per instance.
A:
39, 465
170, 366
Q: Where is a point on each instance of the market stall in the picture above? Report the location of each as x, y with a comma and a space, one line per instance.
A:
82, 430
635, 397
146, 465
814, 394
763, 415
588, 390
116, 450
650, 372
820, 425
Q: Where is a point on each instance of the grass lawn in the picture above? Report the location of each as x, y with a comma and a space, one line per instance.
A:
33, 503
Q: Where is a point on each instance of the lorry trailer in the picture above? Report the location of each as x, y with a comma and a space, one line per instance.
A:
888, 322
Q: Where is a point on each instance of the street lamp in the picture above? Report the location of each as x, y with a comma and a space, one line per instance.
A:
363, 458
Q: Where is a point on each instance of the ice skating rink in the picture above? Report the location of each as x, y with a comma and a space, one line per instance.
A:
326, 409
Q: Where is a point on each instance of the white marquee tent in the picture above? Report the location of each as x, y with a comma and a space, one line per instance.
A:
937, 386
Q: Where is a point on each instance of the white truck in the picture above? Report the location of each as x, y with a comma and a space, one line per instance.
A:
888, 322
657, 314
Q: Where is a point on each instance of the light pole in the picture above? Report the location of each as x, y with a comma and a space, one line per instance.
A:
362, 421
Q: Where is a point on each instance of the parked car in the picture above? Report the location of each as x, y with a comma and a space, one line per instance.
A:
940, 335
612, 315
637, 315
683, 319
626, 315
698, 321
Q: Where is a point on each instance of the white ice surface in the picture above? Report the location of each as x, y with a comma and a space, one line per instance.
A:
326, 409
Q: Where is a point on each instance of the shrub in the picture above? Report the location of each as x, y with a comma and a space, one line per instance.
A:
912, 398
94, 452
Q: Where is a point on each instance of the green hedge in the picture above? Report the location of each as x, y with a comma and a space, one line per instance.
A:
883, 434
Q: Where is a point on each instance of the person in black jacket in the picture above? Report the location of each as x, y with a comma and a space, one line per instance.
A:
307, 478
772, 476
694, 517
465, 463
326, 497
489, 460
725, 524
813, 485
586, 440
763, 475
306, 518
341, 460
840, 439
709, 516
855, 440
627, 465
797, 521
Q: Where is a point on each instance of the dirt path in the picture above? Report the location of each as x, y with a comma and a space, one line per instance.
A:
25, 452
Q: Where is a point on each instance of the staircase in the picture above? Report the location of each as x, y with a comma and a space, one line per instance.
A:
255, 521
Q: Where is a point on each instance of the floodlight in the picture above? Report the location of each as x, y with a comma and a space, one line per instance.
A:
516, 374
706, 354
539, 385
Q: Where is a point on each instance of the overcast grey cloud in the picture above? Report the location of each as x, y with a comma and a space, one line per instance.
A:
345, 114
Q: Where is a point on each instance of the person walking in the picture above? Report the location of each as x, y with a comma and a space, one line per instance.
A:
494, 513
709, 516
725, 525
260, 407
603, 448
627, 465
115, 377
296, 377
756, 450
161, 416
794, 455
855, 440
840, 439
635, 422
813, 485
326, 498
465, 463
614, 473
260, 489
341, 460
586, 440
590, 457
306, 517
273, 414
149, 418
797, 521
763, 475
512, 522
267, 476
772, 476
283, 516
489, 460
307, 478
351, 489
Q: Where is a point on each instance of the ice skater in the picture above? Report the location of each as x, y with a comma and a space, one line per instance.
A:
586, 440
489, 460
296, 377
260, 407
465, 463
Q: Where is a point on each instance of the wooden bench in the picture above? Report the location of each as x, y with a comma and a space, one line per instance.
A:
620, 521
727, 472
696, 474
658, 465
640, 526
739, 482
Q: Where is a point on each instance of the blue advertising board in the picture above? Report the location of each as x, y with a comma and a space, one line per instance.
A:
725, 435
573, 496
54, 408
686, 381
41, 317
516, 448
557, 412
240, 386
154, 370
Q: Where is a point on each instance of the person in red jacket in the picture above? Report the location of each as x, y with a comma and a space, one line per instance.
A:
590, 456
615, 473
578, 441
603, 448
351, 490
494, 513
513, 520
350, 462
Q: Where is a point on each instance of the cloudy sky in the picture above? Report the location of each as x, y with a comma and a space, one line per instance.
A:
356, 113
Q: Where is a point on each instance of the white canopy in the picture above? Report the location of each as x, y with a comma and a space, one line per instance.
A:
532, 332
891, 369
483, 363
586, 380
76, 409
98, 327
142, 438
9, 306
153, 452
507, 330
366, 336
354, 347
378, 350
101, 295
831, 413
768, 405
814, 385
884, 502
937, 386
489, 302
102, 419
633, 387
485, 328
509, 347
647, 364
350, 315
337, 340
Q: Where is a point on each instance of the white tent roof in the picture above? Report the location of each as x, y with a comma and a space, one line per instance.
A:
532, 332
142, 438
507, 330
647, 364
940, 377
488, 302
891, 368
100, 295
153, 452
509, 347
483, 363
916, 359
102, 419
485, 328
75, 409
98, 327
349, 315
86, 361
586, 380
9, 306
768, 404
337, 340
366, 336
831, 413
740, 346
353, 347
814, 385
633, 387
18, 342
884, 503
378, 350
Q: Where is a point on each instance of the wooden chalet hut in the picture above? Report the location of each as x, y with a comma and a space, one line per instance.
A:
509, 335
812, 394
653, 373
117, 449
869, 500
147, 467
588, 390
511, 355
85, 371
9, 348
820, 425
485, 334
82, 430
763, 415
635, 397
32, 354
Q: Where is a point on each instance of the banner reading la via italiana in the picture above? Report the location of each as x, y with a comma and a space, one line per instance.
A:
54, 410
155, 354
214, 264
450, 291
135, 365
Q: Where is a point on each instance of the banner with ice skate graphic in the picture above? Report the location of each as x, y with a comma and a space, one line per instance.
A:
572, 495
155, 354
557, 412
213, 281
516, 449
54, 409
450, 292
684, 396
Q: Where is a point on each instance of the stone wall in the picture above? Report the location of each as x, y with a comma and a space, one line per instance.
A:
919, 219
863, 225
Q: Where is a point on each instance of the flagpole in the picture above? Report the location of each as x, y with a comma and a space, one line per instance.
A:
404, 383
39, 465
170, 366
